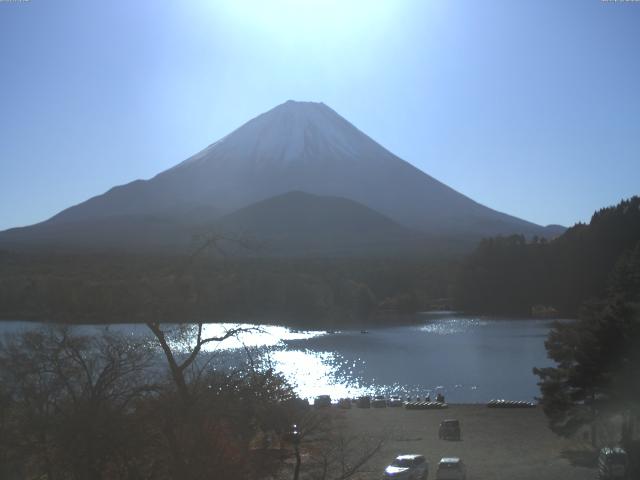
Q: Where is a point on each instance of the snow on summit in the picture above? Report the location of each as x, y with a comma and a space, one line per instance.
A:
291, 132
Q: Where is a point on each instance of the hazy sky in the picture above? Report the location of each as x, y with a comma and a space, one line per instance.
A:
529, 107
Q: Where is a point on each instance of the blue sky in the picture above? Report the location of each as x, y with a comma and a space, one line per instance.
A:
529, 107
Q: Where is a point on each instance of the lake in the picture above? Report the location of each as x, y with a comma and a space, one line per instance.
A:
470, 359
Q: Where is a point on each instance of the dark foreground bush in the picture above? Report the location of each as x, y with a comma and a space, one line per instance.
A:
100, 407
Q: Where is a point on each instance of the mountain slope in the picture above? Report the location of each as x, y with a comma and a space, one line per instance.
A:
127, 233
297, 146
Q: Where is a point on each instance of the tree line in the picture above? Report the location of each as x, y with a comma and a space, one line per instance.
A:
513, 275
300, 292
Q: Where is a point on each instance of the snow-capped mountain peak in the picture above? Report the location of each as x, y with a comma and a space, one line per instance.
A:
291, 132
306, 147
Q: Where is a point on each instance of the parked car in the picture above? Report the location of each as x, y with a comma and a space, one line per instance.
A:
379, 401
364, 402
408, 467
322, 401
451, 468
395, 401
612, 463
449, 430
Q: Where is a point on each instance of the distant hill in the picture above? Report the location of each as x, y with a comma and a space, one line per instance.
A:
297, 146
297, 223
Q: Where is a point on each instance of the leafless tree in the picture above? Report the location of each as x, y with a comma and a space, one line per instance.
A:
331, 452
190, 339
70, 398
190, 343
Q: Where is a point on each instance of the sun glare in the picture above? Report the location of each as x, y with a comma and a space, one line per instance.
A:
328, 21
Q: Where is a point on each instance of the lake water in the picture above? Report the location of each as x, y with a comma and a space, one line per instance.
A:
469, 359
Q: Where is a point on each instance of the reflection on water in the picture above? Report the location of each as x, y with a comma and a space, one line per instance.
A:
253, 335
469, 359
449, 326
318, 373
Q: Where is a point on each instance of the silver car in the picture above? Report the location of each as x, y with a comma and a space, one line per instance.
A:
451, 468
408, 467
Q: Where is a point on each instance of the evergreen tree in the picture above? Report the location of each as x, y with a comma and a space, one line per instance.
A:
597, 364
598, 358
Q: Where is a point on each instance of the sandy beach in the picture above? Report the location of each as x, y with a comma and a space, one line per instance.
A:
496, 443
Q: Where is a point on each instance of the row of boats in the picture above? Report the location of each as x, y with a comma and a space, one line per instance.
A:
510, 404
381, 401
425, 405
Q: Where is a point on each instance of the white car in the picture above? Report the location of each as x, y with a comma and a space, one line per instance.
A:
408, 467
451, 468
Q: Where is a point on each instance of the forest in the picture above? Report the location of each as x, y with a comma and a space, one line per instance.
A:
299, 292
503, 276
515, 276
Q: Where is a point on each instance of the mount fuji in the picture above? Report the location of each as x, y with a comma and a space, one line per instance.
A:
301, 147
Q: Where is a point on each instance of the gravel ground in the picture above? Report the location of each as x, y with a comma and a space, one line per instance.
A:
496, 443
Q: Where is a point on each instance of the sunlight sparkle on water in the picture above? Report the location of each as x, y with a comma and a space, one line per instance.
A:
318, 373
452, 326
262, 336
